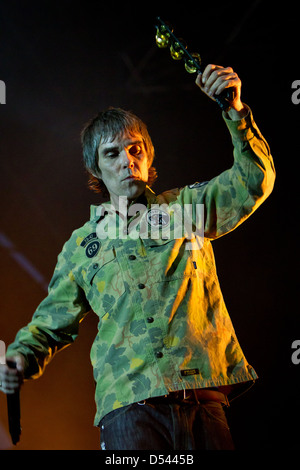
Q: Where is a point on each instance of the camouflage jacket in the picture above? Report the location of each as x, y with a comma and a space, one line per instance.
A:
163, 323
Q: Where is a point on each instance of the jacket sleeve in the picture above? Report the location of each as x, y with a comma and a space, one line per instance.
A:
55, 323
236, 193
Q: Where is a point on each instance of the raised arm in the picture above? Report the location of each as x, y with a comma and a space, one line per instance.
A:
237, 192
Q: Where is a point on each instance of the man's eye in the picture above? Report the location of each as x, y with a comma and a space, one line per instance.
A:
135, 150
112, 154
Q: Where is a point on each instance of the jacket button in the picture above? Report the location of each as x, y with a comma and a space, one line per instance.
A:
141, 286
159, 354
132, 257
150, 319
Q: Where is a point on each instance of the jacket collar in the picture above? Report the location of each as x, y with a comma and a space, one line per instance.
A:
147, 198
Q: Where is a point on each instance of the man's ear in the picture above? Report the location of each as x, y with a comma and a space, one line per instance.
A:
97, 175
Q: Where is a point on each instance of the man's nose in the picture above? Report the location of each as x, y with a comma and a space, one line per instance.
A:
127, 159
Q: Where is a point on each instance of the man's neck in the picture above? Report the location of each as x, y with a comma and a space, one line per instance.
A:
121, 203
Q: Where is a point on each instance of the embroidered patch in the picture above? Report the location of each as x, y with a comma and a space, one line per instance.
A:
186, 372
158, 218
90, 237
92, 249
197, 185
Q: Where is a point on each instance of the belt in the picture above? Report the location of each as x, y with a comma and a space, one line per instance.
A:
193, 395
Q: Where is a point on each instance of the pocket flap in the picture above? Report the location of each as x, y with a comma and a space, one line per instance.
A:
98, 263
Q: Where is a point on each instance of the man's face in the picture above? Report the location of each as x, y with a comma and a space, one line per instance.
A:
124, 166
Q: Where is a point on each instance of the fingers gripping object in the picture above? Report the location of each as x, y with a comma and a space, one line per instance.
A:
192, 61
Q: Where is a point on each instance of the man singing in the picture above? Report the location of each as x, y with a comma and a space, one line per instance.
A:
166, 358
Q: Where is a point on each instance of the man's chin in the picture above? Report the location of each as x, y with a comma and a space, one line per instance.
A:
134, 188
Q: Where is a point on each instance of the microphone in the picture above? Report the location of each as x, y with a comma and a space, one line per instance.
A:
13, 411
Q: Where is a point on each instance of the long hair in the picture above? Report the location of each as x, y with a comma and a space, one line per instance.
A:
108, 125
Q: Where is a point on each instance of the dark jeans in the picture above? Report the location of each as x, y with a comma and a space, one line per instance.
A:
162, 425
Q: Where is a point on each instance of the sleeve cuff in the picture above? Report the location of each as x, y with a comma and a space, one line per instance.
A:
243, 129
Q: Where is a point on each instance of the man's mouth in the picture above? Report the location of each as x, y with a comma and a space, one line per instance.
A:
131, 177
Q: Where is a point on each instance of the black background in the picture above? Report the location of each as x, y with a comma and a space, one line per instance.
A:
62, 62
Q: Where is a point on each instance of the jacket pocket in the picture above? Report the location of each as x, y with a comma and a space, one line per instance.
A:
175, 260
104, 283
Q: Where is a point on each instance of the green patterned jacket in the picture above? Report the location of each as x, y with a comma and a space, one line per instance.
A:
163, 323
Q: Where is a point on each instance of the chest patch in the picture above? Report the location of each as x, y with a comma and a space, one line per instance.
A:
158, 218
92, 249
87, 239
